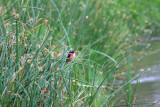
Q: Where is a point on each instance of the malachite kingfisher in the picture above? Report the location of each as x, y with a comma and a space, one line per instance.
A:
71, 56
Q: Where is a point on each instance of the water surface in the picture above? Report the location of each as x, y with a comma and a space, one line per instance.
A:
149, 83
149, 86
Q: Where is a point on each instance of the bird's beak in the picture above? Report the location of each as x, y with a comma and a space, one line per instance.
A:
76, 51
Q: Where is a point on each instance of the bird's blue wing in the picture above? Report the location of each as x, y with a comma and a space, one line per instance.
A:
68, 56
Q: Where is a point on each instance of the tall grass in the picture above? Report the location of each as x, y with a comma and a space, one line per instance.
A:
36, 37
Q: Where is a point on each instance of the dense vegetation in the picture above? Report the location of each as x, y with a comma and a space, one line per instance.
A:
36, 35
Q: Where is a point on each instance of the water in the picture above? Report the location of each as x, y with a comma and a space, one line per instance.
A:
149, 83
149, 86
148, 90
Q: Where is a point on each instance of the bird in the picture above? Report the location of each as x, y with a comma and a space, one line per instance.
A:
71, 56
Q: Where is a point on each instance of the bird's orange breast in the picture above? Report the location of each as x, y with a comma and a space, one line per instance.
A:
72, 55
